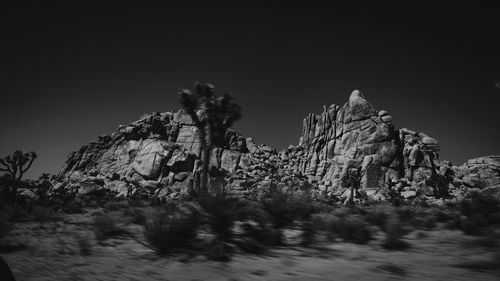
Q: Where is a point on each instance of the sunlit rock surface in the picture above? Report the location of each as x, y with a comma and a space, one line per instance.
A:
356, 135
159, 154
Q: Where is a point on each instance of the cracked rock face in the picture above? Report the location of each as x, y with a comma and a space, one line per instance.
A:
356, 135
159, 148
159, 153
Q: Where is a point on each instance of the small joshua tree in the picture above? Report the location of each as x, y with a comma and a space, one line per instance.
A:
351, 180
15, 166
212, 115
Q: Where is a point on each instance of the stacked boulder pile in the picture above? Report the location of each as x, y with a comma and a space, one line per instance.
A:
158, 155
481, 174
356, 135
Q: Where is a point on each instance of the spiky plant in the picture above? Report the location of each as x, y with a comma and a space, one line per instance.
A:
213, 115
15, 166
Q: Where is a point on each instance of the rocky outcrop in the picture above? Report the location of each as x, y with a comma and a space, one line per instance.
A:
479, 172
158, 155
353, 135
356, 135
160, 149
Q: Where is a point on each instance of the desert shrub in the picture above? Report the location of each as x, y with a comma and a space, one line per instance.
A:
221, 213
378, 215
478, 213
423, 220
167, 233
238, 222
396, 201
344, 211
136, 215
473, 224
394, 232
349, 228
251, 246
406, 213
260, 232
285, 208
72, 207
14, 213
416, 216
218, 250
43, 214
445, 214
478, 203
318, 223
137, 202
309, 231
348, 223
38, 213
104, 226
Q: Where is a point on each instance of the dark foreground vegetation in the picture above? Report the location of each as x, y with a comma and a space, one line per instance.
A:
218, 227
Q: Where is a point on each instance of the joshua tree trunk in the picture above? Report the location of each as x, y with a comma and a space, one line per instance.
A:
200, 188
351, 197
204, 169
207, 152
212, 116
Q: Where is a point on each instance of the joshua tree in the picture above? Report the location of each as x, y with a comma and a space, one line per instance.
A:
351, 177
212, 115
15, 166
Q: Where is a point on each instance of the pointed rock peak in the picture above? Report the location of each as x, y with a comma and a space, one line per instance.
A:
356, 95
356, 98
359, 107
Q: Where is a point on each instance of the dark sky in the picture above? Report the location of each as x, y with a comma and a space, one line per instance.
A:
71, 73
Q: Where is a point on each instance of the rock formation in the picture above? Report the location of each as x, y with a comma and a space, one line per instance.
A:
481, 174
356, 135
158, 155
158, 150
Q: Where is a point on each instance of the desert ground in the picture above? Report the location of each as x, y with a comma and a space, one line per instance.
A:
66, 247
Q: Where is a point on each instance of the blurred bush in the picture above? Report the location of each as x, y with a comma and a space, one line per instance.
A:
394, 232
104, 226
169, 232
284, 207
479, 213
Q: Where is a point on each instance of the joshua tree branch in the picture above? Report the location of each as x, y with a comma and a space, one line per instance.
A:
7, 167
29, 165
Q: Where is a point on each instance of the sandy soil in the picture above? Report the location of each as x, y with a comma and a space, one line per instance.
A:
52, 253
